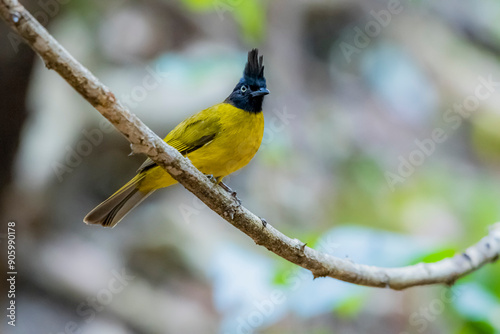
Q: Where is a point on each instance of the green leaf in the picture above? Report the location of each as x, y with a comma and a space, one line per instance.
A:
477, 327
435, 256
250, 15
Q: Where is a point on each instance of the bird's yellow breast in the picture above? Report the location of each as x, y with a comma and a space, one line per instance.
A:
238, 135
234, 146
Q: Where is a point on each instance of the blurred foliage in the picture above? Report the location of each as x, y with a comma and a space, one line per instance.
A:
249, 14
351, 307
475, 327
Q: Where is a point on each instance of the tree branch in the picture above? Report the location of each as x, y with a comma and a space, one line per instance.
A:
143, 140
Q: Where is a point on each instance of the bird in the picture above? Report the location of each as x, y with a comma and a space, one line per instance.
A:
218, 141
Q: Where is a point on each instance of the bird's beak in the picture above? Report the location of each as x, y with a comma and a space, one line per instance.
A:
260, 92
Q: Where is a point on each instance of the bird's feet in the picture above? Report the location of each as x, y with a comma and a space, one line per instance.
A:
230, 191
212, 178
264, 222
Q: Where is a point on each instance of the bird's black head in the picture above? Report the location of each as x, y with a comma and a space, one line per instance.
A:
250, 91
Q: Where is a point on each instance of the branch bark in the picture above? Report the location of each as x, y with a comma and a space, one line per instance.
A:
143, 140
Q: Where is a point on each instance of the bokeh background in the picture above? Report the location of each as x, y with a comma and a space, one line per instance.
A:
382, 145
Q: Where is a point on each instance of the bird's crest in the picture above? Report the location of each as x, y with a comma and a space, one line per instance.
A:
254, 69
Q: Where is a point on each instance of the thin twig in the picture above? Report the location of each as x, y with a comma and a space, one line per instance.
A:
143, 140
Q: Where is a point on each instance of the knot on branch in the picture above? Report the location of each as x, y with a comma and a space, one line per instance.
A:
299, 246
321, 273
15, 17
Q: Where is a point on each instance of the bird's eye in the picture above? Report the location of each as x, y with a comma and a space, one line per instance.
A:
243, 89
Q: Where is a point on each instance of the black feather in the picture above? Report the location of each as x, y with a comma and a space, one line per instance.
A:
254, 69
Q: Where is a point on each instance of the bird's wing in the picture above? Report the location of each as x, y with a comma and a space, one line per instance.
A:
191, 134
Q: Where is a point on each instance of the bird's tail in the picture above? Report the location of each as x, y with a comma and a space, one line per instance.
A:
111, 211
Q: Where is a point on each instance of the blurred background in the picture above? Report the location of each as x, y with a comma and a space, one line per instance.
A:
381, 145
